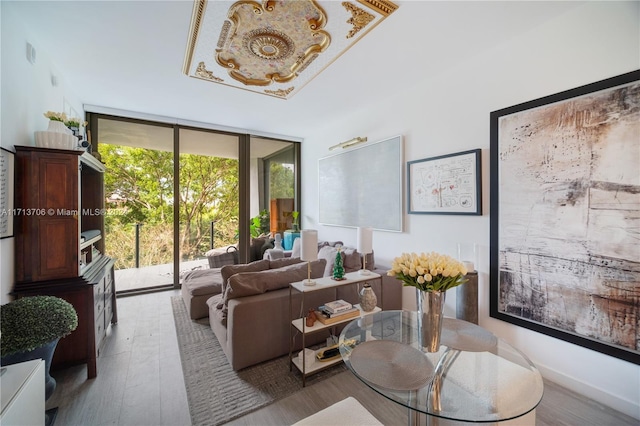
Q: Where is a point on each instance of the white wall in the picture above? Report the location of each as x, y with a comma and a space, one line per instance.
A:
439, 116
450, 114
27, 93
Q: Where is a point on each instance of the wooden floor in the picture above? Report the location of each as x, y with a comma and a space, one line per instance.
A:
140, 382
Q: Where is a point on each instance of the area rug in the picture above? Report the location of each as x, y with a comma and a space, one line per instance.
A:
216, 393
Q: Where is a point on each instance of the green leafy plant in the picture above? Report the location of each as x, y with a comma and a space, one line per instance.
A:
31, 322
295, 224
260, 224
74, 122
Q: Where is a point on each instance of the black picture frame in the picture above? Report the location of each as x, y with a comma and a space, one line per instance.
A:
563, 257
447, 184
7, 188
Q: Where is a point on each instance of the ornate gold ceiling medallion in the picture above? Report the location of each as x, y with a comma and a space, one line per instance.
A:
260, 47
269, 44
282, 93
260, 43
383, 7
202, 72
224, 33
359, 18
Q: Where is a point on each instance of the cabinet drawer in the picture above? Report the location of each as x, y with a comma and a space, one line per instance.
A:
108, 278
108, 311
98, 289
100, 332
98, 309
98, 299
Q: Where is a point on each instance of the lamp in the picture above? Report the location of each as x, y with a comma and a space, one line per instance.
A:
349, 143
309, 251
365, 246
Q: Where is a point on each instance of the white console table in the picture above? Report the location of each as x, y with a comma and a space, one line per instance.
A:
305, 366
22, 394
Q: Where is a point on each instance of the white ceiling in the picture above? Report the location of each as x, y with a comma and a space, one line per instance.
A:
129, 55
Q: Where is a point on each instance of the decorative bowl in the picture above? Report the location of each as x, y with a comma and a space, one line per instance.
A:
47, 139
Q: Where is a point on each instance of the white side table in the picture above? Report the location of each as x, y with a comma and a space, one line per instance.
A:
300, 325
22, 394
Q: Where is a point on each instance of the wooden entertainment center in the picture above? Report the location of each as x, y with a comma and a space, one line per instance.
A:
59, 241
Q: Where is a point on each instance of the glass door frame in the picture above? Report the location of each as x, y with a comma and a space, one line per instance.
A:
244, 182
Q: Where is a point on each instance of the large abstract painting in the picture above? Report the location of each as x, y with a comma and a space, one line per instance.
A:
565, 215
363, 186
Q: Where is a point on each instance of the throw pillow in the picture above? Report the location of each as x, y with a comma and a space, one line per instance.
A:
282, 262
295, 249
371, 262
328, 253
229, 270
352, 261
251, 283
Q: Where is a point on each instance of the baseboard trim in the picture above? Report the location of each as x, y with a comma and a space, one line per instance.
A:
618, 403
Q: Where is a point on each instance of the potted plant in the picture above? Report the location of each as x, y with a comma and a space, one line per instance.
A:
259, 225
74, 124
295, 224
31, 328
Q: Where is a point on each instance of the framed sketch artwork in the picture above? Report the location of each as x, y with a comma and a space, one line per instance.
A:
565, 215
448, 184
7, 165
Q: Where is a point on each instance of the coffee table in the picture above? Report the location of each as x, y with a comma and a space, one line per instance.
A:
474, 377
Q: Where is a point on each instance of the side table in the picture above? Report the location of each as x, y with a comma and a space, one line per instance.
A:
299, 324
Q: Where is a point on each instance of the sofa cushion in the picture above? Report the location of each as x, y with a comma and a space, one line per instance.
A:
352, 260
218, 313
228, 270
250, 283
285, 261
203, 281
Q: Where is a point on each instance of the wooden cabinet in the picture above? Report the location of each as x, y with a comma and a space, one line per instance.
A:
46, 218
59, 229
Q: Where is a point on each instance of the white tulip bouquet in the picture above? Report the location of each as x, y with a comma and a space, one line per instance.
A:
428, 272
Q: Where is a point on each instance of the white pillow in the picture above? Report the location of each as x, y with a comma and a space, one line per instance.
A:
329, 254
295, 250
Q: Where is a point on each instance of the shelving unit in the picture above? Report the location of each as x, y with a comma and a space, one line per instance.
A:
60, 245
299, 324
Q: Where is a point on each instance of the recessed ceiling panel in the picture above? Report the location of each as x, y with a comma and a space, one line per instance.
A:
275, 47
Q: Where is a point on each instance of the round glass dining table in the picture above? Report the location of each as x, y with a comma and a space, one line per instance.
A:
474, 377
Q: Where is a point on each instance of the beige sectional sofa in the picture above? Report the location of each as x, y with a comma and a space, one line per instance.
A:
251, 318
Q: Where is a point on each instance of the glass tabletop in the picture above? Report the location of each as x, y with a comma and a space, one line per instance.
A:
474, 377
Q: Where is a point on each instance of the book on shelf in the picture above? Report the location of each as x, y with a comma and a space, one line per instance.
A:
323, 310
337, 318
338, 306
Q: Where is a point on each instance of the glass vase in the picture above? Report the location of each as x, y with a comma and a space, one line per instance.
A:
430, 318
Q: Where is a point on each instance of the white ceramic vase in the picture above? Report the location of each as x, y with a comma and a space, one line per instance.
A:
368, 299
58, 127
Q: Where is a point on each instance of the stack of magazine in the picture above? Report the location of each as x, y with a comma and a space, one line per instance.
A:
336, 311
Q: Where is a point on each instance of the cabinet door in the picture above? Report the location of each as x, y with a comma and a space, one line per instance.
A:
51, 231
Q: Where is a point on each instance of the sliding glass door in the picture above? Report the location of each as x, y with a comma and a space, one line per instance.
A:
208, 196
139, 188
177, 195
